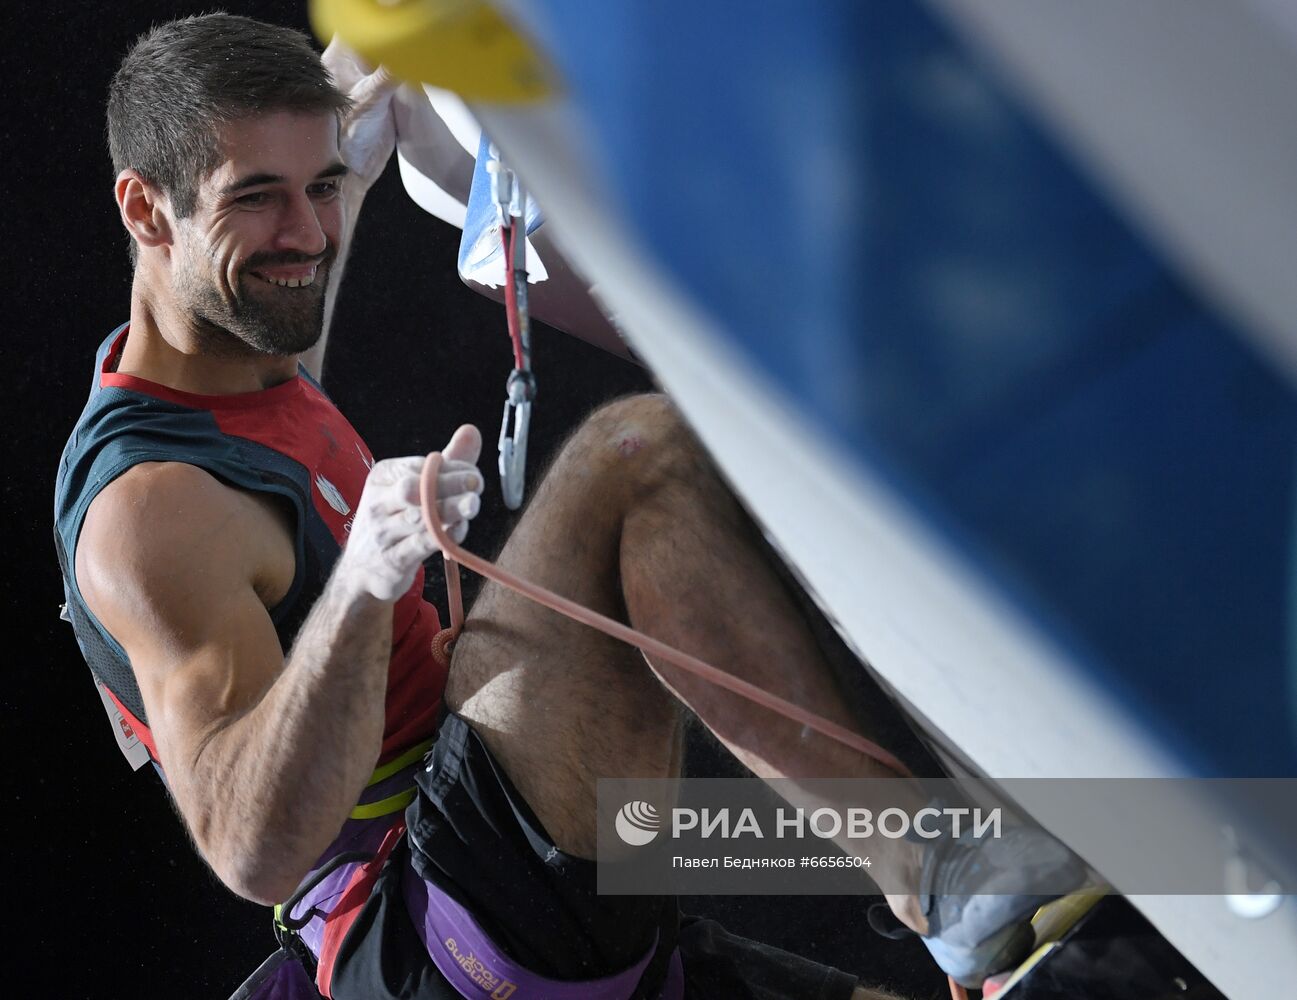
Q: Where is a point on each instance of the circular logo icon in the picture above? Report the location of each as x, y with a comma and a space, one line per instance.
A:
637, 823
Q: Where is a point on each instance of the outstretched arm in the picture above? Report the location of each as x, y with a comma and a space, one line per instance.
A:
264, 754
367, 139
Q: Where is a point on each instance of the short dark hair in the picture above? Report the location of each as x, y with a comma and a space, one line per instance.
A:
184, 79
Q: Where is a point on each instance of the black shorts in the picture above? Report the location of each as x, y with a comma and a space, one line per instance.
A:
471, 833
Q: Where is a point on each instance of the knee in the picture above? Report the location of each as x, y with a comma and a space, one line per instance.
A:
639, 438
634, 420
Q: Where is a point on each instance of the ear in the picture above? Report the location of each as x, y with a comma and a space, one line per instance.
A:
145, 211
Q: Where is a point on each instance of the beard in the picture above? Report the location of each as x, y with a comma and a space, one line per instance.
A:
260, 316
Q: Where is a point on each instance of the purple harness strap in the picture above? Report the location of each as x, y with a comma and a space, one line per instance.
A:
356, 836
477, 968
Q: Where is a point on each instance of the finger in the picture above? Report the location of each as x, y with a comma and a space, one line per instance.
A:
410, 490
458, 532
465, 445
451, 484
390, 498
342, 64
332, 50
337, 51
458, 508
372, 89
463, 467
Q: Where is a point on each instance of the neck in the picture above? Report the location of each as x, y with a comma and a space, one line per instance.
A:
164, 347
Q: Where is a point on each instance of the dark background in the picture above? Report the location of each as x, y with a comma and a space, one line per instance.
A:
111, 899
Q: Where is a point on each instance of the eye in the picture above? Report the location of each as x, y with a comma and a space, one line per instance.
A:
253, 198
324, 189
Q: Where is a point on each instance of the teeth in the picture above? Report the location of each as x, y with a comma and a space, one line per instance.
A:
291, 282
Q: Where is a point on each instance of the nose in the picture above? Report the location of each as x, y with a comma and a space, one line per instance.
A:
300, 229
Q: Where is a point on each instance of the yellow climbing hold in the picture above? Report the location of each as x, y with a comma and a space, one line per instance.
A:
460, 45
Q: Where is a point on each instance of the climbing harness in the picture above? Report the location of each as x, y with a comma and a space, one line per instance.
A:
520, 389
284, 917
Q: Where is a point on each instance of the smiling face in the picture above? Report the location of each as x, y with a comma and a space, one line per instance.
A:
251, 264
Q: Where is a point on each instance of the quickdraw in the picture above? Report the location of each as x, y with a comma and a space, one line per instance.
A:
520, 389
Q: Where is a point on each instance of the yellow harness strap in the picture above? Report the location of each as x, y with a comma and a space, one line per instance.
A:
397, 802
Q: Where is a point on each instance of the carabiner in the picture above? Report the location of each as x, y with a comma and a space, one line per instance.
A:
513, 447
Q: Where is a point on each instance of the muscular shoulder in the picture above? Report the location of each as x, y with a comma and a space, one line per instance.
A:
165, 535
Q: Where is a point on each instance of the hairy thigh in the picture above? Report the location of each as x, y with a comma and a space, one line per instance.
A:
559, 704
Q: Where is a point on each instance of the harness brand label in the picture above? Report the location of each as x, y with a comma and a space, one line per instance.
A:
501, 988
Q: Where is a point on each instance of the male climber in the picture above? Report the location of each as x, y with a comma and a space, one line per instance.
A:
247, 582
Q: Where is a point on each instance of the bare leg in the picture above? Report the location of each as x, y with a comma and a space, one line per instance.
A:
633, 521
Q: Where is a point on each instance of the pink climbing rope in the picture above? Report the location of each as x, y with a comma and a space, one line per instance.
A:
456, 555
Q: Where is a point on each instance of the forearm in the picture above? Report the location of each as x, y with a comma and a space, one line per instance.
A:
268, 787
365, 142
278, 782
314, 358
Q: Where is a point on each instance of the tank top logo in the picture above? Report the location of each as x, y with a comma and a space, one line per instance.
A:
331, 495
